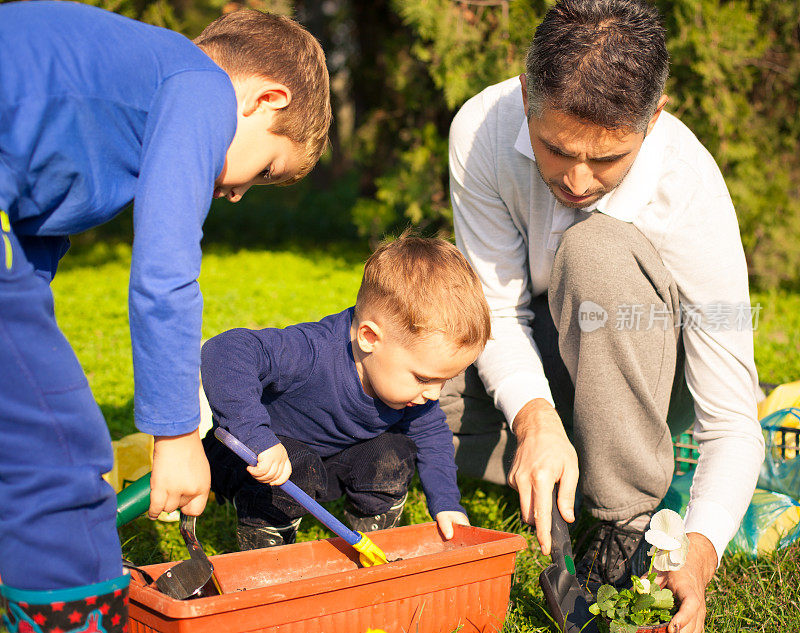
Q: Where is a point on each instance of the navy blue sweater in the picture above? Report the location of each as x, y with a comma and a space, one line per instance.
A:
302, 382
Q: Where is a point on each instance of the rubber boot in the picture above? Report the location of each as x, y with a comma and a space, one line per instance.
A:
99, 608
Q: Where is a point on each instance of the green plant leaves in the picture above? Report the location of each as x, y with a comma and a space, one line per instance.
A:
605, 596
643, 602
627, 610
663, 599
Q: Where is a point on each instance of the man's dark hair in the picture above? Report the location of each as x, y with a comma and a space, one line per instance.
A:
602, 61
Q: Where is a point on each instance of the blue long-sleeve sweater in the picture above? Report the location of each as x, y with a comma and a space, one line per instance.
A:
97, 110
302, 382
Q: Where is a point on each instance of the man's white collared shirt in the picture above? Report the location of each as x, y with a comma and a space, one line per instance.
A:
509, 225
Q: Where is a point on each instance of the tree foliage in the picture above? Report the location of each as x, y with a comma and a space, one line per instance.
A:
735, 81
400, 69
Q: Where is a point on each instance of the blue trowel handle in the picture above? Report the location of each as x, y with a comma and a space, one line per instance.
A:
325, 517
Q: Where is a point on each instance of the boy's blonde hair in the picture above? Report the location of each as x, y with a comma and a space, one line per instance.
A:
425, 285
247, 42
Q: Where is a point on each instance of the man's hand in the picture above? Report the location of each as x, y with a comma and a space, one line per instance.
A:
448, 519
181, 476
688, 584
544, 457
273, 466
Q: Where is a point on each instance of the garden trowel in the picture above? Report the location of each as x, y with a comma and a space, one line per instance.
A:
192, 578
567, 602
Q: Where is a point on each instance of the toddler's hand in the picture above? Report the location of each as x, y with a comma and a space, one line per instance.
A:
273, 466
448, 519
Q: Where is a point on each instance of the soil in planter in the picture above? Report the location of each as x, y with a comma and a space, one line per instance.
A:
281, 573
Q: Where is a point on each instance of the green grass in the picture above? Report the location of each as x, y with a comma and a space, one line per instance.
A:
257, 288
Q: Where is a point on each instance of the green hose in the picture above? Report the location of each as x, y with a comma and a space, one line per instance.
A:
133, 500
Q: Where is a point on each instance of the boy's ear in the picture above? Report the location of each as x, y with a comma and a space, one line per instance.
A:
264, 95
368, 336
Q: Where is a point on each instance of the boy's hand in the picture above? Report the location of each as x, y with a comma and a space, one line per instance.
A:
273, 466
448, 519
181, 476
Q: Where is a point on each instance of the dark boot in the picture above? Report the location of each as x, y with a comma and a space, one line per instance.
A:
369, 523
99, 608
616, 551
265, 535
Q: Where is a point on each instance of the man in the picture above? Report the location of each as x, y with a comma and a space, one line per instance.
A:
571, 186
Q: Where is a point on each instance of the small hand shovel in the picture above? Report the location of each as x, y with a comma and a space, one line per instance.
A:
567, 602
368, 553
193, 578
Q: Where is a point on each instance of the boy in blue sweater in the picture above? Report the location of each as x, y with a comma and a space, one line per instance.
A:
348, 404
96, 111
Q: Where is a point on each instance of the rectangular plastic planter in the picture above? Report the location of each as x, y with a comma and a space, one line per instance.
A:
317, 587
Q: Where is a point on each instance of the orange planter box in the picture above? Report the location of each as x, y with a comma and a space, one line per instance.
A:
318, 587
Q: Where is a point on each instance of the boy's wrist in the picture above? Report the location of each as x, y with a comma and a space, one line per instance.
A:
434, 512
168, 439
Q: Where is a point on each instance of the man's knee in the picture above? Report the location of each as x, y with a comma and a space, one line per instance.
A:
596, 252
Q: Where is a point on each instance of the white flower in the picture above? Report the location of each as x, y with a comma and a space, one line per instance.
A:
667, 535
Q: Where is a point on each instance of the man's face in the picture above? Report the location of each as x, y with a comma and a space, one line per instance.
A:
580, 162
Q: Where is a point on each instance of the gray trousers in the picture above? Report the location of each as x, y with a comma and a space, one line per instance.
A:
619, 387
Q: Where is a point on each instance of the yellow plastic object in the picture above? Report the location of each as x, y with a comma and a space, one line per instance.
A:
5, 226
781, 526
368, 553
772, 521
133, 458
782, 397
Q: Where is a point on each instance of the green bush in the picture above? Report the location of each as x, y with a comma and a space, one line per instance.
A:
401, 68
735, 81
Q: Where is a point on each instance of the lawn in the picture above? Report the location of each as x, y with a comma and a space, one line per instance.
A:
257, 288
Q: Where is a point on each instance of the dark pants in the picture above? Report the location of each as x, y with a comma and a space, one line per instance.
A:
372, 474
484, 444
57, 515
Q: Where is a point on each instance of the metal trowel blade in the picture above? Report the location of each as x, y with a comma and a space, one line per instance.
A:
184, 580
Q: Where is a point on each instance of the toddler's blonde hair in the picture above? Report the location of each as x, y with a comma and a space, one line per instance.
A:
425, 285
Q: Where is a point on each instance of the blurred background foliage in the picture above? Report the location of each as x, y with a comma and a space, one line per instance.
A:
400, 69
